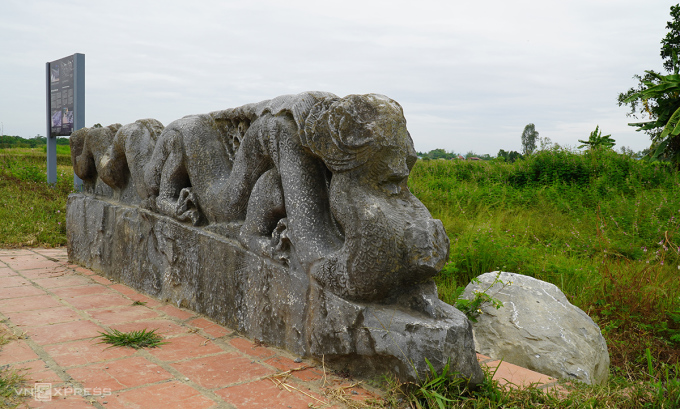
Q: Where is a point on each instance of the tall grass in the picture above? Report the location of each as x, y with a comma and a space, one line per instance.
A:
600, 225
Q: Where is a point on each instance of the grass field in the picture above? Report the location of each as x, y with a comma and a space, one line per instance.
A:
601, 226
33, 213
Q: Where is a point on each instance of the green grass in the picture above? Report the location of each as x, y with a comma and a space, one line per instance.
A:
32, 212
601, 226
10, 382
657, 390
132, 339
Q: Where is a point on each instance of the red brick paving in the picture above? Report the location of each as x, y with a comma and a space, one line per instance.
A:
90, 289
61, 308
176, 312
121, 374
19, 292
100, 279
121, 315
248, 347
58, 402
266, 394
35, 318
61, 281
16, 351
104, 300
218, 371
161, 326
298, 370
210, 328
174, 395
62, 332
28, 303
38, 371
39, 273
6, 272
187, 346
13, 281
85, 351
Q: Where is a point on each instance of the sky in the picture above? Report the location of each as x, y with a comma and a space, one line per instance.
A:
469, 75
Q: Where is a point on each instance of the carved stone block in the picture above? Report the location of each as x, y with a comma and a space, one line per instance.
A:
289, 220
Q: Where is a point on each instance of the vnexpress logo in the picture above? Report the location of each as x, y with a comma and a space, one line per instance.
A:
42, 392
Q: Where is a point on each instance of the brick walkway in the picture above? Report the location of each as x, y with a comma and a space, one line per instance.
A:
57, 309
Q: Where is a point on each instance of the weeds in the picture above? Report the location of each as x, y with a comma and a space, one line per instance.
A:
132, 339
472, 308
10, 380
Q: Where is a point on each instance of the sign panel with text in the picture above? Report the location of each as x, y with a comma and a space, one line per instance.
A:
65, 106
62, 97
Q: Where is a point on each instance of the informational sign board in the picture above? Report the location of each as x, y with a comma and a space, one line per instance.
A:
65, 106
62, 97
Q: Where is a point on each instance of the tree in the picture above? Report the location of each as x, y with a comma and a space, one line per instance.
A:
670, 45
509, 156
597, 141
658, 97
529, 137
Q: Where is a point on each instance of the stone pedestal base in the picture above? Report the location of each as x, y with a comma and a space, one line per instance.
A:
278, 304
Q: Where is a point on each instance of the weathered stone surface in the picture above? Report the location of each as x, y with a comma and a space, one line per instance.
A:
537, 328
275, 218
267, 300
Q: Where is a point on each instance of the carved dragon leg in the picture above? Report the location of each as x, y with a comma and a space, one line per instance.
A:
265, 210
251, 161
167, 175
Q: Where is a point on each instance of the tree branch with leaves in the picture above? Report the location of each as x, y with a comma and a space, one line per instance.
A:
657, 97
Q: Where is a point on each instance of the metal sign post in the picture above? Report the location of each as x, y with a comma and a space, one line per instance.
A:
65, 106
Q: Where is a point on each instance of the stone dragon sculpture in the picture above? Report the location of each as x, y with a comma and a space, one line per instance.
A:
312, 174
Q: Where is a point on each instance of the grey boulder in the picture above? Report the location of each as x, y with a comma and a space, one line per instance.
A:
537, 328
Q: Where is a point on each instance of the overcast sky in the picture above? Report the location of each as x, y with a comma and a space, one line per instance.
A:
470, 75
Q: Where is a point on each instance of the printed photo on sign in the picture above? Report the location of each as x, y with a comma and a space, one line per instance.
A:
67, 117
56, 119
54, 73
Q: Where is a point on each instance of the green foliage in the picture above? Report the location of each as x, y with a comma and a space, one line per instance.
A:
657, 386
472, 308
597, 141
509, 157
7, 141
598, 224
670, 45
664, 382
529, 138
438, 390
437, 154
658, 96
132, 339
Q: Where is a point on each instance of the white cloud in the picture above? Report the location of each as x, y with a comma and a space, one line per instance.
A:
470, 75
